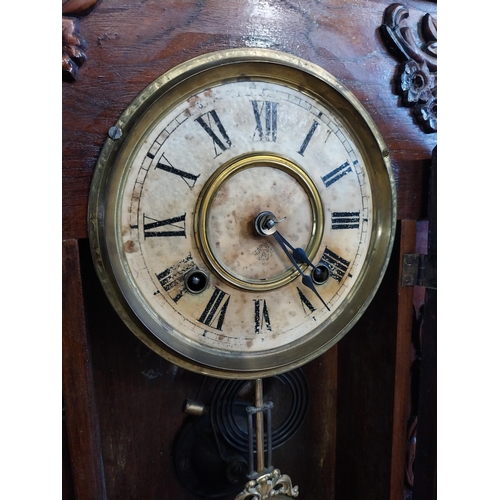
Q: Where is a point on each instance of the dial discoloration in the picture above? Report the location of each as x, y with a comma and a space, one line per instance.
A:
208, 147
130, 246
238, 201
192, 145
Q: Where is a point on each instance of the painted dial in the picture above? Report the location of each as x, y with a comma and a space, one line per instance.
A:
189, 259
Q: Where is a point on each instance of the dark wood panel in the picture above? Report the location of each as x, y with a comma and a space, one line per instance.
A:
140, 398
373, 395
310, 457
425, 487
68, 489
402, 363
129, 44
83, 439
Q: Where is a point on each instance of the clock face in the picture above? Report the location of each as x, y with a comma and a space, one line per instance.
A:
244, 220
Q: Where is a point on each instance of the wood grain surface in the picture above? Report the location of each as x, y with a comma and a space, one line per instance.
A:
86, 472
129, 44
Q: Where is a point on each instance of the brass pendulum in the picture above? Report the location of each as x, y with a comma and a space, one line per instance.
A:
265, 482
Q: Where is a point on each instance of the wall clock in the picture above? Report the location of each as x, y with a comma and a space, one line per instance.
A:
242, 213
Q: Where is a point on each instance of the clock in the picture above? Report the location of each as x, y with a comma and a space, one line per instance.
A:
242, 213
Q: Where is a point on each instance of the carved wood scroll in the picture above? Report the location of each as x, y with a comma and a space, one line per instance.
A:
417, 76
73, 45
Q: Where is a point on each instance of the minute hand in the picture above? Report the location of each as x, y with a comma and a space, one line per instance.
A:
306, 280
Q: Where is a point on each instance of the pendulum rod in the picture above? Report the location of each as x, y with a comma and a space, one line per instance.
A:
258, 410
265, 482
259, 425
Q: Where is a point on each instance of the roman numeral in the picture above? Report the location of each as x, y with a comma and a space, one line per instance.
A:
187, 177
309, 136
175, 222
336, 174
269, 111
305, 302
261, 316
345, 220
172, 279
337, 266
219, 136
215, 312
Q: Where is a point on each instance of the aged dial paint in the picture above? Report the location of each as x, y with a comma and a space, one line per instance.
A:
183, 154
194, 277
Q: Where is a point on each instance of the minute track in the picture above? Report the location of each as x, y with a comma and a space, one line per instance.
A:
240, 300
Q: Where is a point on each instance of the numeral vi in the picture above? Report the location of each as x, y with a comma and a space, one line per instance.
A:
305, 302
215, 312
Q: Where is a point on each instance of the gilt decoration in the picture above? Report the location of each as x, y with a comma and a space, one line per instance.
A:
274, 484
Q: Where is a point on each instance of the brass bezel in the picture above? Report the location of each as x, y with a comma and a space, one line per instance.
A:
207, 194
145, 112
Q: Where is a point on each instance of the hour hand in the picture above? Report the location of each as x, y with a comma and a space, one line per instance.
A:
265, 225
306, 280
297, 253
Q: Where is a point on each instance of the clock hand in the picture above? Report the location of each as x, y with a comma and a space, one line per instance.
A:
265, 224
306, 280
298, 253
300, 256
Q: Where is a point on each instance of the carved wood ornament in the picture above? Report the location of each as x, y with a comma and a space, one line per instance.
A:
73, 45
417, 76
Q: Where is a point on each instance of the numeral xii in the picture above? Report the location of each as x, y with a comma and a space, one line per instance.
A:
266, 119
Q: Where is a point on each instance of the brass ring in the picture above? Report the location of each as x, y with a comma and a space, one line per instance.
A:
208, 193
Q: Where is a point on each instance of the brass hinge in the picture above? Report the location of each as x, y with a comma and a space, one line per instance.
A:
419, 270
